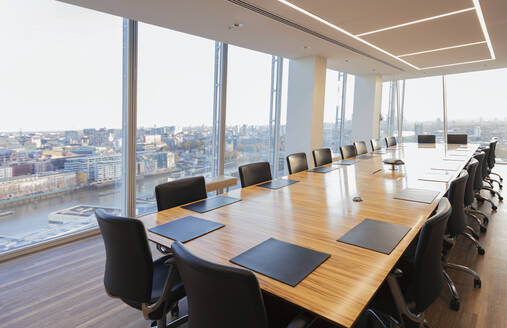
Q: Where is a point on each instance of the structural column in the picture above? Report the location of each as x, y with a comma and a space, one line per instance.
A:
367, 101
305, 105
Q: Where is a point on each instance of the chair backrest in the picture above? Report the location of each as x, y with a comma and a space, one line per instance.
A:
485, 165
480, 157
297, 162
390, 141
426, 138
428, 271
322, 156
348, 151
469, 189
361, 147
129, 265
219, 296
456, 196
492, 155
254, 173
179, 192
460, 139
376, 144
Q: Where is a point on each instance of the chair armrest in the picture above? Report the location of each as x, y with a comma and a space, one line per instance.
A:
168, 285
302, 321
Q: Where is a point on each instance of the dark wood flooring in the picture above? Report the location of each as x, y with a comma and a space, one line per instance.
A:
62, 286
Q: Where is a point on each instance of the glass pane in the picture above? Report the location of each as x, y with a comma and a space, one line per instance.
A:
476, 104
248, 108
175, 110
349, 109
332, 111
60, 144
423, 112
283, 119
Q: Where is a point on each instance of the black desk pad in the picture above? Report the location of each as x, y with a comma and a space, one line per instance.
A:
186, 229
282, 261
417, 195
347, 162
375, 235
323, 169
364, 156
209, 204
277, 184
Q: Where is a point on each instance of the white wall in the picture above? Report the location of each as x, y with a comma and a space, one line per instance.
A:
367, 101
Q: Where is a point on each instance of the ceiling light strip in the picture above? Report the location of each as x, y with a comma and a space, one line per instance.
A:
309, 14
441, 49
417, 21
462, 63
484, 29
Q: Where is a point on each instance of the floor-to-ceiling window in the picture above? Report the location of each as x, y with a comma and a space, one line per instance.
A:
476, 105
332, 110
60, 132
349, 109
338, 107
248, 108
423, 108
175, 109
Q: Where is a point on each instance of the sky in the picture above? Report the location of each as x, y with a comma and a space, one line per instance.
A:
62, 71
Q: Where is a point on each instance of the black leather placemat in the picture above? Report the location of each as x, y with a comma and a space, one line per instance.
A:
323, 169
364, 156
277, 184
209, 204
375, 235
417, 195
281, 261
347, 162
186, 229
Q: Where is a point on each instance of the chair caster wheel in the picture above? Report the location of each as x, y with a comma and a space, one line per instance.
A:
500, 198
454, 305
494, 207
481, 251
492, 193
486, 220
483, 229
477, 283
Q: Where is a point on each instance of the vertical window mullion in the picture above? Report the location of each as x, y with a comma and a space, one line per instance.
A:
129, 117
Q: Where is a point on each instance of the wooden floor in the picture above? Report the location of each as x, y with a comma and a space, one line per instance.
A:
62, 286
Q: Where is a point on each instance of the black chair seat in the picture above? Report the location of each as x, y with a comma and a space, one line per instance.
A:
160, 272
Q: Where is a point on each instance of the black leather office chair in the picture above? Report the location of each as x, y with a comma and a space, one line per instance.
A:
492, 145
423, 273
390, 141
322, 156
297, 162
131, 274
254, 173
457, 226
361, 147
485, 173
376, 144
348, 151
221, 296
491, 160
480, 156
179, 192
426, 138
471, 168
457, 139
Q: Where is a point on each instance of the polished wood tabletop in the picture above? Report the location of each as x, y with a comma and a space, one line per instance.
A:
318, 210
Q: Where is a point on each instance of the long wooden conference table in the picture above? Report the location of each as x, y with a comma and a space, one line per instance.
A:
318, 210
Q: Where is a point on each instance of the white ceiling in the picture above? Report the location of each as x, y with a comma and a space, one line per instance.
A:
336, 27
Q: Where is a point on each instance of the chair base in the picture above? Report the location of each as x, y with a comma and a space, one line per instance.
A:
480, 249
454, 303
